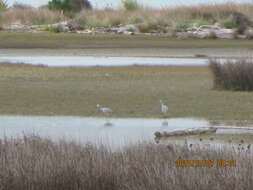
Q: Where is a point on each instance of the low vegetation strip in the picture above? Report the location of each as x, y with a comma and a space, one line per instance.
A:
76, 41
234, 75
128, 91
34, 163
222, 21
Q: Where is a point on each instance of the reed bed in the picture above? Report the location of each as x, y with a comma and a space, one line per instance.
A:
232, 74
35, 163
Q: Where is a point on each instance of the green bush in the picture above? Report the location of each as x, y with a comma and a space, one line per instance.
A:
182, 27
229, 23
201, 22
69, 5
130, 4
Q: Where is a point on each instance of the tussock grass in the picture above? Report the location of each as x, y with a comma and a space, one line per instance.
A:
34, 163
232, 74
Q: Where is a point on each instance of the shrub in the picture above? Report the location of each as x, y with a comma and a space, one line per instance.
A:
182, 27
130, 4
69, 5
201, 22
229, 23
232, 74
145, 28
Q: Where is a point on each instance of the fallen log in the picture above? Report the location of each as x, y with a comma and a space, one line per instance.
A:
191, 131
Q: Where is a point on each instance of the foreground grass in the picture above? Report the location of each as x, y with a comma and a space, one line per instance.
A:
35, 163
129, 91
70, 41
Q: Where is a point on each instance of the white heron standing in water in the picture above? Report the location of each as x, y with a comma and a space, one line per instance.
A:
164, 110
107, 112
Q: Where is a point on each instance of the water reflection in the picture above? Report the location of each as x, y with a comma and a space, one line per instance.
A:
121, 132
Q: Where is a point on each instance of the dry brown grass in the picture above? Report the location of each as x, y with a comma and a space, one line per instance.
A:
35, 163
167, 18
31, 16
232, 74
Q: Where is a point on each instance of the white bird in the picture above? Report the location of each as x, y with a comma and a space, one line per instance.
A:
106, 111
164, 108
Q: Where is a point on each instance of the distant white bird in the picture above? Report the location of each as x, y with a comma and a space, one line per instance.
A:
106, 111
164, 108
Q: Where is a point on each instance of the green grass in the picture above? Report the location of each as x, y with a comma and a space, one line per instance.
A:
70, 41
129, 91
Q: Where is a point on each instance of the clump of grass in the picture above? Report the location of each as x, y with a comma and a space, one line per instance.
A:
232, 74
33, 162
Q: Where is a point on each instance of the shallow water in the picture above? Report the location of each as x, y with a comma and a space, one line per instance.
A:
84, 130
93, 130
86, 61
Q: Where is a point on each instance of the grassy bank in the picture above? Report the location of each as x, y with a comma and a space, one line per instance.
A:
129, 91
165, 20
35, 163
70, 41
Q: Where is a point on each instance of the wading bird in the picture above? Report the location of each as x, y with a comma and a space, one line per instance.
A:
107, 112
164, 110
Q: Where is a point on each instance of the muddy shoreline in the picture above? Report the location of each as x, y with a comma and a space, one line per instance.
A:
136, 52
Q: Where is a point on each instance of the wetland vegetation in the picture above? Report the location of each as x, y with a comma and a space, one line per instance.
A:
232, 74
128, 91
35, 163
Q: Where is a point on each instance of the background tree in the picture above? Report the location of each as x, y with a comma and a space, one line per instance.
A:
3, 4
69, 5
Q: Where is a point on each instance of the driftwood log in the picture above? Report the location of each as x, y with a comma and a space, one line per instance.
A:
191, 131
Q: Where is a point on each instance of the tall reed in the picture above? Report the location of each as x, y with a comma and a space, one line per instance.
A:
38, 164
232, 74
